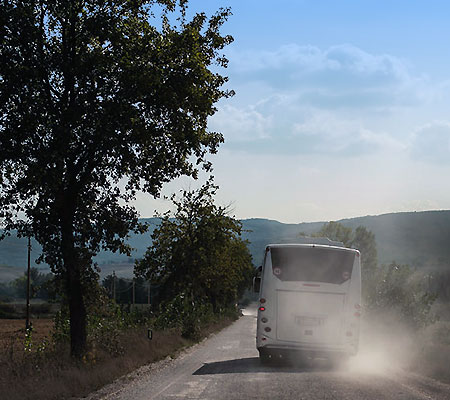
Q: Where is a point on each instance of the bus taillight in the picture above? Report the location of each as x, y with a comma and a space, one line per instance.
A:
262, 301
262, 308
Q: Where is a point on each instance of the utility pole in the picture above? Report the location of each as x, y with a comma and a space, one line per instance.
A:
114, 285
134, 292
27, 323
148, 293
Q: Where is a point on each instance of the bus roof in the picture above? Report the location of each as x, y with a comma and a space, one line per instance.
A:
342, 248
315, 240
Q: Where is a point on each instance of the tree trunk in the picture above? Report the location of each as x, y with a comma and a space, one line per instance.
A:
77, 310
73, 279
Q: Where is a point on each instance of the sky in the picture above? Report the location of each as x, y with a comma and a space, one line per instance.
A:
342, 109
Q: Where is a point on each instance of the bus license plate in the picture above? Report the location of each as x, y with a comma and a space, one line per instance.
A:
309, 321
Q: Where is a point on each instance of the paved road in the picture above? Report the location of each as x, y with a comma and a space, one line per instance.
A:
226, 366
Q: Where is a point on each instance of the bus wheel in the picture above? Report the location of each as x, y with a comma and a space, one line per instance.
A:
264, 357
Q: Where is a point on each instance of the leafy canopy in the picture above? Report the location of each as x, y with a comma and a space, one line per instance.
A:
98, 100
361, 239
198, 252
387, 288
97, 103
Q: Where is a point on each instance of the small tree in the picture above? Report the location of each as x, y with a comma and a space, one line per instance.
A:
198, 252
364, 241
336, 231
361, 239
97, 103
392, 287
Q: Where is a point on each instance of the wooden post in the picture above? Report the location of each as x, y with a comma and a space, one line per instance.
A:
114, 285
27, 323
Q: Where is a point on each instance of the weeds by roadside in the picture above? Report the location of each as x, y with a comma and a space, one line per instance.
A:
43, 369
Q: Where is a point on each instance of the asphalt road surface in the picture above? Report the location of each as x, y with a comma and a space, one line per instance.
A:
226, 366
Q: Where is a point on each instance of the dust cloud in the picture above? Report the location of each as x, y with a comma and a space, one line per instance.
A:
386, 345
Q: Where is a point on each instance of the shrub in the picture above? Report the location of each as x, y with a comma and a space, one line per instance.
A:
400, 288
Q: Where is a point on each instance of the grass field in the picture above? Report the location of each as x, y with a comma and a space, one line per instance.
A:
12, 331
52, 374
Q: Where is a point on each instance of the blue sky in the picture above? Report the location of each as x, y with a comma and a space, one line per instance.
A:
342, 109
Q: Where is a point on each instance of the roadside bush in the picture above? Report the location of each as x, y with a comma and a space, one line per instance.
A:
61, 329
400, 288
107, 321
184, 314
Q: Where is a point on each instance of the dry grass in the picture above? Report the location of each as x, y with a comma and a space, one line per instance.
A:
53, 375
13, 330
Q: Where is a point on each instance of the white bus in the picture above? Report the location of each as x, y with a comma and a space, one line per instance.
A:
309, 301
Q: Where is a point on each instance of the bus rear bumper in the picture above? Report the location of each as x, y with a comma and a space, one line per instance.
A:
308, 350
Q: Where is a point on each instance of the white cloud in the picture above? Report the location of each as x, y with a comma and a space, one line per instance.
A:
431, 143
306, 100
337, 135
307, 59
340, 76
241, 124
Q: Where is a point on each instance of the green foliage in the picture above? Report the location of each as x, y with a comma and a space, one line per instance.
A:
41, 285
361, 239
364, 241
392, 287
124, 289
107, 321
397, 287
28, 341
440, 283
7, 292
92, 95
183, 313
61, 326
199, 252
336, 231
105, 328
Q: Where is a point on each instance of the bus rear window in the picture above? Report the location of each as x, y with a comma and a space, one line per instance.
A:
312, 264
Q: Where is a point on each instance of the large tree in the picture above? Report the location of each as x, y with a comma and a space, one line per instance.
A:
99, 99
361, 238
198, 252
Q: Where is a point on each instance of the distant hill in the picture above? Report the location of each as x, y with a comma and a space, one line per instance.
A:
421, 239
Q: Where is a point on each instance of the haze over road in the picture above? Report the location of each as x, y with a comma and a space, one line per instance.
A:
226, 366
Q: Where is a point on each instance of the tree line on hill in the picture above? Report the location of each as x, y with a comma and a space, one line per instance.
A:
42, 286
